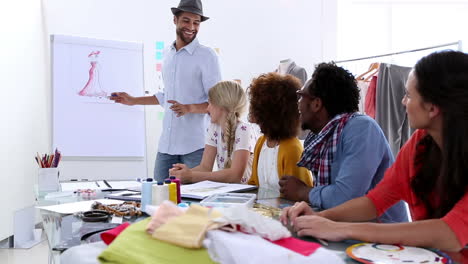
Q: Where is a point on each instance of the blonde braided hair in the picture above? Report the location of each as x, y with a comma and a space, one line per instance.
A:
230, 96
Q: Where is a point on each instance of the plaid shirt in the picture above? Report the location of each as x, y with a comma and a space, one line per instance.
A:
320, 149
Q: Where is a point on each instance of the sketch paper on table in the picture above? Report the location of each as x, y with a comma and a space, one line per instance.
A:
203, 189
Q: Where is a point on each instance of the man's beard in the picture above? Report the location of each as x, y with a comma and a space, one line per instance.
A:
183, 38
305, 126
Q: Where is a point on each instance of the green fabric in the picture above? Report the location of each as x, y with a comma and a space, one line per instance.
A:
135, 246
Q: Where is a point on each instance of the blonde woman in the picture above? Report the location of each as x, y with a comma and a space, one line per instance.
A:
229, 140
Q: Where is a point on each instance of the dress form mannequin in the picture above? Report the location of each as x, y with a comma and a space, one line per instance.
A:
284, 65
288, 66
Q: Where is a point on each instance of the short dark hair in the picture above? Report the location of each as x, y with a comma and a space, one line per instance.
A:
336, 87
273, 105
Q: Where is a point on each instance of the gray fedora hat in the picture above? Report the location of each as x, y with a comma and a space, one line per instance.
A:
191, 6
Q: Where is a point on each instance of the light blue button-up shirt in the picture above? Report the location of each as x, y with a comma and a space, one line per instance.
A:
188, 74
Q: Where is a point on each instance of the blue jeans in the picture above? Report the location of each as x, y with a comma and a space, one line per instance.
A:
164, 162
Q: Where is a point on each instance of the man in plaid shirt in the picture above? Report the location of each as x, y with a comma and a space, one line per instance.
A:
346, 152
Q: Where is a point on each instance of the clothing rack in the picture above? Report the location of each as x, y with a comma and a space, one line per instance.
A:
459, 43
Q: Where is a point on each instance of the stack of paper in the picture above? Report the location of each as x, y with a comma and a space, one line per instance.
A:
203, 189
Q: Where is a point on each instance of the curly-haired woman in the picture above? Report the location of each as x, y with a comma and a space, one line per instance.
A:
273, 106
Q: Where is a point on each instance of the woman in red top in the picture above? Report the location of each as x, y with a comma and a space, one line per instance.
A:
430, 172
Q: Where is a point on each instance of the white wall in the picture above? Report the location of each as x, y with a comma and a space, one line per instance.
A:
25, 107
253, 36
367, 28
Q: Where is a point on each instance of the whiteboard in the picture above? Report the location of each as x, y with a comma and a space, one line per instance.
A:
86, 123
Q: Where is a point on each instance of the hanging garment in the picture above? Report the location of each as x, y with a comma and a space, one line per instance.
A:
390, 113
369, 103
363, 87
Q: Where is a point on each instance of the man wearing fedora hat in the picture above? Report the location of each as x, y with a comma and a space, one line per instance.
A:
189, 71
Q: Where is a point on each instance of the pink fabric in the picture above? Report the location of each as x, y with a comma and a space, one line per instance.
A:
110, 235
297, 245
166, 211
369, 105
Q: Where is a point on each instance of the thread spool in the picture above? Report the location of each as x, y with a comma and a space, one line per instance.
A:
177, 182
146, 193
160, 193
172, 190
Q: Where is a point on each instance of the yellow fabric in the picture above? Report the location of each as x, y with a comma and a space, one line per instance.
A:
289, 153
188, 230
135, 246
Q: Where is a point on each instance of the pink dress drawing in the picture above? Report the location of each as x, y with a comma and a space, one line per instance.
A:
93, 86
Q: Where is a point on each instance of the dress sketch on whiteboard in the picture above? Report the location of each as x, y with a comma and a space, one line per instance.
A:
93, 86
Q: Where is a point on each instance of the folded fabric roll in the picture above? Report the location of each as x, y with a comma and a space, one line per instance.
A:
188, 230
135, 246
251, 222
83, 254
297, 245
240, 248
110, 235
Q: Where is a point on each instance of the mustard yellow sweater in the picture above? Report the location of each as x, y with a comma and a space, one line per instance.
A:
289, 153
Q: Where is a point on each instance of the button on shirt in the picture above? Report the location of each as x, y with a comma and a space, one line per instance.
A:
188, 74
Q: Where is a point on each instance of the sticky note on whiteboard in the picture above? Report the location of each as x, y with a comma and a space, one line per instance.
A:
159, 55
160, 45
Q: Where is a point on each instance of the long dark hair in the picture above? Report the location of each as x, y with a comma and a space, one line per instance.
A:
442, 79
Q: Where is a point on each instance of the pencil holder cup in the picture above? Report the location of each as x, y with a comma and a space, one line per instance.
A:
47, 181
